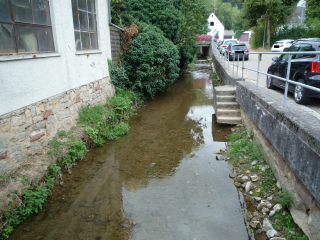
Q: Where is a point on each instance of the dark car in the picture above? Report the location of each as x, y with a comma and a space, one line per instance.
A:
304, 69
303, 40
237, 49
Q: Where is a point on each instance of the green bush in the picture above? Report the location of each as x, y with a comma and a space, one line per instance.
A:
163, 14
187, 53
152, 61
119, 76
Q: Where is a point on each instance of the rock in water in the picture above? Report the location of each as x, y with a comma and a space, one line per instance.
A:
222, 149
192, 154
220, 158
233, 174
248, 186
254, 224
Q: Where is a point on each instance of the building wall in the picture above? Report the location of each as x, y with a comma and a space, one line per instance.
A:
39, 76
217, 26
41, 93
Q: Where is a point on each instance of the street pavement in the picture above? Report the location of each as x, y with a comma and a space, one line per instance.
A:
264, 64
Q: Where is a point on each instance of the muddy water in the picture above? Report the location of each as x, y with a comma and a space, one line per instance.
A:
146, 185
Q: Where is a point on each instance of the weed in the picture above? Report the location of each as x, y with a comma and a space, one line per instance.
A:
54, 170
267, 182
62, 133
57, 146
285, 199
77, 150
214, 76
25, 180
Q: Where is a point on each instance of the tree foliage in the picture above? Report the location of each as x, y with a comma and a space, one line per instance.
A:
312, 11
152, 61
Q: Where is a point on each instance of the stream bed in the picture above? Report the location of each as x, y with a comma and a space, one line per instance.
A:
159, 182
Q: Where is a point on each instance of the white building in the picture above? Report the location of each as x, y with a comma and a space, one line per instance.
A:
53, 58
215, 26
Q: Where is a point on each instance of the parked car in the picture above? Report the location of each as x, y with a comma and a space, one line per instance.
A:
304, 40
219, 43
237, 49
304, 69
281, 45
225, 44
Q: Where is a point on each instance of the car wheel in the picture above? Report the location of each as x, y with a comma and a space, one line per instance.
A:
246, 59
300, 93
269, 82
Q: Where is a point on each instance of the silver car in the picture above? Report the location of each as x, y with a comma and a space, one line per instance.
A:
225, 44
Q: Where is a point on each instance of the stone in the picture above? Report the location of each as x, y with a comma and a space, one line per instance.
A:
254, 162
240, 180
248, 186
250, 192
249, 216
272, 212
245, 178
220, 158
232, 175
238, 185
278, 185
37, 137
35, 147
78, 99
19, 136
222, 149
20, 156
254, 224
47, 114
18, 121
254, 178
269, 198
4, 143
255, 214
3, 156
63, 100
264, 204
262, 168
264, 210
38, 126
37, 119
258, 199
277, 207
49, 129
241, 161
64, 115
266, 225
277, 238
272, 233
51, 119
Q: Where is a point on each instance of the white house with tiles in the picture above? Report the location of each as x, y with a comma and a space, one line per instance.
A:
215, 26
53, 58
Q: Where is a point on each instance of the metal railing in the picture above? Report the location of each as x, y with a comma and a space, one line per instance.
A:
225, 58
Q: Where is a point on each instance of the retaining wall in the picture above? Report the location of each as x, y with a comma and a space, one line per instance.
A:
24, 131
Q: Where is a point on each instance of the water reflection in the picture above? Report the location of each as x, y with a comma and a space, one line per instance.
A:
146, 185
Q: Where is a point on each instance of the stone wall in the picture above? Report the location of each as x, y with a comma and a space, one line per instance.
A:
24, 131
115, 44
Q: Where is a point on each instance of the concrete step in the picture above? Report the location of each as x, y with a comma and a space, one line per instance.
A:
228, 105
228, 113
229, 120
225, 90
228, 98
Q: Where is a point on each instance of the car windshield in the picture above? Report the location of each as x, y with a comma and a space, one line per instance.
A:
239, 47
305, 48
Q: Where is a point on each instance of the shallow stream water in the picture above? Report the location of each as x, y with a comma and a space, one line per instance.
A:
146, 185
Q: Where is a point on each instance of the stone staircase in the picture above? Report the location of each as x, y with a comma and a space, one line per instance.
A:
225, 105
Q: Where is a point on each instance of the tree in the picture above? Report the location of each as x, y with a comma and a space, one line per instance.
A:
276, 12
312, 11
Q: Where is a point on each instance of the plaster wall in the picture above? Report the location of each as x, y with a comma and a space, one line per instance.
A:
27, 79
216, 27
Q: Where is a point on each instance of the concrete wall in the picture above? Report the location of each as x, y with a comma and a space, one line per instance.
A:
26, 79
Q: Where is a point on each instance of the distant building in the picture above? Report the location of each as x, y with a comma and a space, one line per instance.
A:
245, 36
298, 15
216, 27
228, 34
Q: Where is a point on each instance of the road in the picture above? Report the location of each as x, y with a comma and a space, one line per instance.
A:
264, 64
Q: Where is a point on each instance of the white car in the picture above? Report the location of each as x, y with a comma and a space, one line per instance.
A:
225, 44
281, 45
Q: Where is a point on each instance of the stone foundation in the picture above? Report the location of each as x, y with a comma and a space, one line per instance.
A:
24, 131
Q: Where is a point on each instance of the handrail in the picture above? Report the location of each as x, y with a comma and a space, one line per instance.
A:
287, 80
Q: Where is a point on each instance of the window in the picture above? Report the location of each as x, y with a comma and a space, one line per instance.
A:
25, 27
85, 24
293, 48
211, 23
305, 48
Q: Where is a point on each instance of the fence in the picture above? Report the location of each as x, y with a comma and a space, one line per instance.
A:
225, 58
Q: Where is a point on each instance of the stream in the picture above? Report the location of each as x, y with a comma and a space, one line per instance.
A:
161, 181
